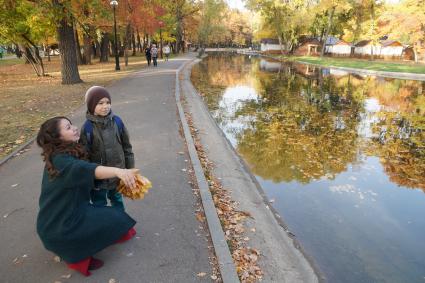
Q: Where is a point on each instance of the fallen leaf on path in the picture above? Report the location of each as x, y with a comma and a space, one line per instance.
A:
14, 185
200, 217
57, 259
214, 277
66, 276
201, 274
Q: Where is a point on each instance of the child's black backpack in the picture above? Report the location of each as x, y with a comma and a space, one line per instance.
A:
88, 129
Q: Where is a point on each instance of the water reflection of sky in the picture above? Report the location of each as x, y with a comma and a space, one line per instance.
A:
233, 98
369, 117
358, 224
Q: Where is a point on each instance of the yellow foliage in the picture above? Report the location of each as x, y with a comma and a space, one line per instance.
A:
142, 187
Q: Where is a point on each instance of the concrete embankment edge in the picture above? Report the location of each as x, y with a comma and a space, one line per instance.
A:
225, 261
16, 151
282, 258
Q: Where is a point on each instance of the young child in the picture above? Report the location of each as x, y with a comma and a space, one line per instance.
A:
107, 142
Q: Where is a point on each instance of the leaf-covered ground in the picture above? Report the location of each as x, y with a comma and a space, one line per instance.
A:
27, 100
231, 218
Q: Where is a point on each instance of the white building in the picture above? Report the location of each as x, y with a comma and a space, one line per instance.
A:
270, 45
337, 47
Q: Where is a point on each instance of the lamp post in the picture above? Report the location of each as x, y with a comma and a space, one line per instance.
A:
161, 24
114, 4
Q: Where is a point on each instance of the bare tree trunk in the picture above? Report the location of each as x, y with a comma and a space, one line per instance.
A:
179, 29
29, 59
126, 43
372, 27
328, 30
104, 47
95, 46
133, 40
32, 55
67, 46
78, 47
66, 38
415, 53
47, 51
87, 49
145, 41
281, 44
139, 44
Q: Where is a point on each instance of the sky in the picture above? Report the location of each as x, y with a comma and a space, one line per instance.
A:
239, 4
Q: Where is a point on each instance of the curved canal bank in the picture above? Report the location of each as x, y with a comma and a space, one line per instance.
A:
281, 257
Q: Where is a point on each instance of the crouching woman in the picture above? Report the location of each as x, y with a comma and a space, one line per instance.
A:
67, 223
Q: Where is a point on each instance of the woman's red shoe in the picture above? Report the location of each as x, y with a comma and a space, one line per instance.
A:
95, 264
81, 266
85, 265
127, 236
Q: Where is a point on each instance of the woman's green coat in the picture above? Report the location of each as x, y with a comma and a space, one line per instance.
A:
67, 223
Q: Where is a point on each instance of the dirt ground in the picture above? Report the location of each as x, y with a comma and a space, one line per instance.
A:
27, 100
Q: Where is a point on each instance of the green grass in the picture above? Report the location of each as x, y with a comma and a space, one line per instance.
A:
10, 62
362, 64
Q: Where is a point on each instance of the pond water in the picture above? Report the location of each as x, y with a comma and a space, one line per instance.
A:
341, 157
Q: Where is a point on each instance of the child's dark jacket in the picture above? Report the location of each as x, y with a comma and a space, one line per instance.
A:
108, 146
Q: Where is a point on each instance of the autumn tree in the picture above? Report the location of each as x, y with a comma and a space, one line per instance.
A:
238, 29
288, 20
406, 23
24, 26
328, 10
211, 28
181, 10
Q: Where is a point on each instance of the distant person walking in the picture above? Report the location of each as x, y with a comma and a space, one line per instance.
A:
154, 54
148, 55
167, 51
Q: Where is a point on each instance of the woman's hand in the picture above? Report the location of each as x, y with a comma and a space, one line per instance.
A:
128, 176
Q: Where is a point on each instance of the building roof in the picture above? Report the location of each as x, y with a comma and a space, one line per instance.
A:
362, 43
390, 43
269, 41
311, 40
343, 42
331, 40
336, 41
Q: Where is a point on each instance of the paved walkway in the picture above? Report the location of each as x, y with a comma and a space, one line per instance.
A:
169, 247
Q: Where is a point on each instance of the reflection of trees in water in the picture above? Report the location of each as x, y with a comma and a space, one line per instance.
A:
400, 143
399, 130
301, 132
304, 124
216, 73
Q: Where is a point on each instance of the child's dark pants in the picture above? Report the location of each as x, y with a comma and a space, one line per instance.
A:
99, 198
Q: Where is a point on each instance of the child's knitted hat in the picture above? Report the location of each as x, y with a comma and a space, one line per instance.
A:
94, 95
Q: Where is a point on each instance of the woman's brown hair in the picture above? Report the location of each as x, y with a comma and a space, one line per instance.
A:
48, 138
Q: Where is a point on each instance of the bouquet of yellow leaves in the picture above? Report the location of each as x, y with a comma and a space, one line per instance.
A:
142, 187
